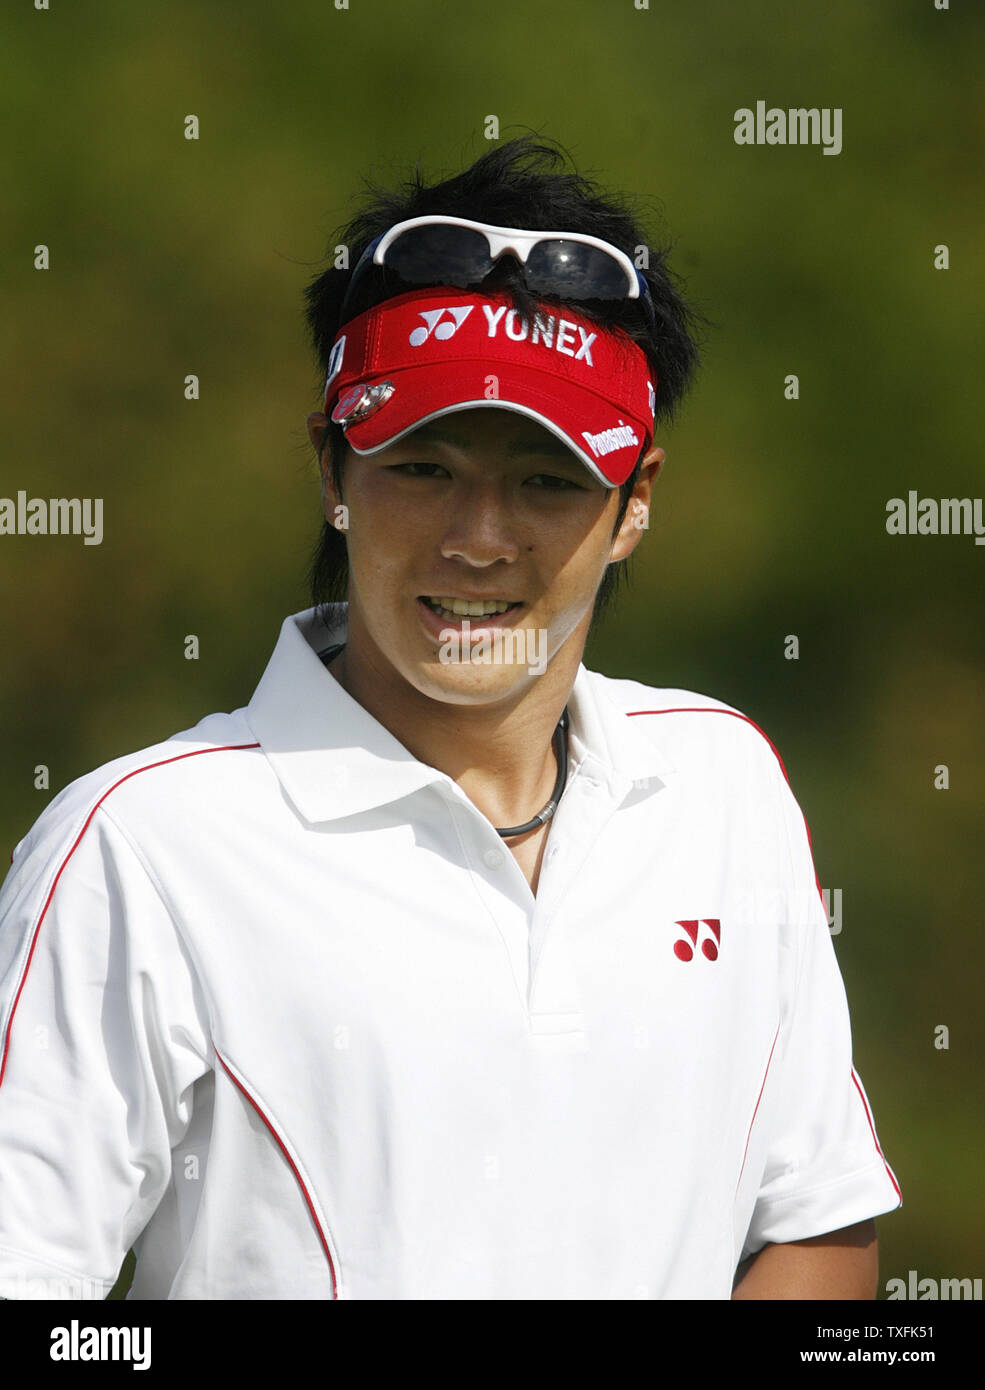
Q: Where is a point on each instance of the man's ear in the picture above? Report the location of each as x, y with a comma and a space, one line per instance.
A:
317, 423
637, 516
320, 436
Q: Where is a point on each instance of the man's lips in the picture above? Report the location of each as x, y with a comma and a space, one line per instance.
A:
437, 623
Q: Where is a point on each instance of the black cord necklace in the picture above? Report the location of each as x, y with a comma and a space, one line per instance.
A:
560, 752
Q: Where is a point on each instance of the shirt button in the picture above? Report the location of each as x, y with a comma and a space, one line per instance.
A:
493, 858
554, 851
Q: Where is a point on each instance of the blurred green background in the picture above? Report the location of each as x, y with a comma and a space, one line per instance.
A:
171, 257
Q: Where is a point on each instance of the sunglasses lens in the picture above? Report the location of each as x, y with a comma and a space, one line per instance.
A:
435, 254
572, 269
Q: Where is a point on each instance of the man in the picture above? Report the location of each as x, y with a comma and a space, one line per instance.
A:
445, 968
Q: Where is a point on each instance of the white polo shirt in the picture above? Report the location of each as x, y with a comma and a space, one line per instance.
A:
279, 1008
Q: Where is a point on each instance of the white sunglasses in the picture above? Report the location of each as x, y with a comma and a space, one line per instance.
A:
456, 251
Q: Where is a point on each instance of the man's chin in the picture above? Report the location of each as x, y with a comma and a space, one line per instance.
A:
465, 683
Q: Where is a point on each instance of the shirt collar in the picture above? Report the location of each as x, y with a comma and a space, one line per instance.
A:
333, 759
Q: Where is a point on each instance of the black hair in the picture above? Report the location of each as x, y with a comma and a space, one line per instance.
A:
522, 183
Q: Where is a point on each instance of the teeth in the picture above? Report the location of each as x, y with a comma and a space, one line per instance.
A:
468, 608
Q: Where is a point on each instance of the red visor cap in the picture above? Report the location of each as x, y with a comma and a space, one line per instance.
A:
431, 352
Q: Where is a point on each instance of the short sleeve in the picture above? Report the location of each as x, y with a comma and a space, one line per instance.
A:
102, 1037
824, 1167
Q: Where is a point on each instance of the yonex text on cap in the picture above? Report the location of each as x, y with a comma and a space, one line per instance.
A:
434, 351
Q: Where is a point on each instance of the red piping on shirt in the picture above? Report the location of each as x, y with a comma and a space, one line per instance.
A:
868, 1116
293, 1166
762, 1088
736, 715
231, 747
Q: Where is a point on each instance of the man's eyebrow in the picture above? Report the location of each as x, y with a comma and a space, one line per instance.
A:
436, 434
549, 444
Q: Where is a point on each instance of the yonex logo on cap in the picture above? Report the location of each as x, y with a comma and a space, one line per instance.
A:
561, 335
444, 330
547, 332
621, 436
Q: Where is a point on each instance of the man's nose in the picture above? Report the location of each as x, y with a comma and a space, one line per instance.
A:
482, 530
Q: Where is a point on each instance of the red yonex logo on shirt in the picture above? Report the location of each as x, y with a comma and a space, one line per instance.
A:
709, 947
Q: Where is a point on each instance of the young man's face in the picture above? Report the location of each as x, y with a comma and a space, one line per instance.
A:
479, 504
